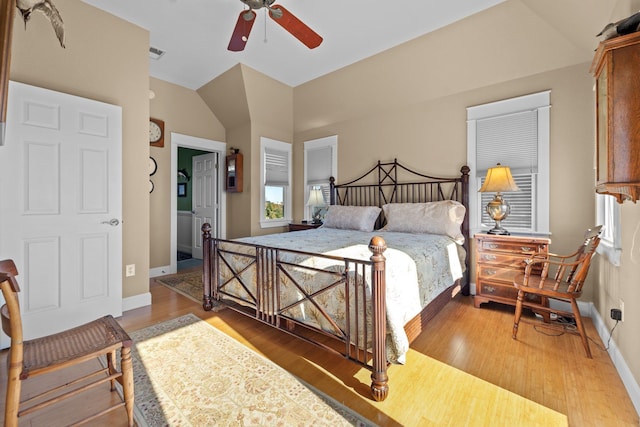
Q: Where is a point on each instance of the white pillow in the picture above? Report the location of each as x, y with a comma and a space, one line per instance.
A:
444, 217
362, 218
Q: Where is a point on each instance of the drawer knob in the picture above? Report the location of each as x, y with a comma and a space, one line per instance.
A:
489, 257
493, 246
490, 289
490, 272
526, 249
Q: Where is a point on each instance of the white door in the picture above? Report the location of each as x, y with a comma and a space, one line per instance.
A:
204, 199
61, 209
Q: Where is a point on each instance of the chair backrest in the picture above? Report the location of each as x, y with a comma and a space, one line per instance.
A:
10, 312
578, 272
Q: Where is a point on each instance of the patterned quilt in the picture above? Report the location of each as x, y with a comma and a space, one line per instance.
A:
418, 268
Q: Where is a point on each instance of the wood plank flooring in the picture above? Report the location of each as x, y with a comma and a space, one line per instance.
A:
547, 369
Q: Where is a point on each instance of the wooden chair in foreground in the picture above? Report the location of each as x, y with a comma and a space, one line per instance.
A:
561, 278
102, 337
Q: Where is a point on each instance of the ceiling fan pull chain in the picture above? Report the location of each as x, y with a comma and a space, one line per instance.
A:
265, 24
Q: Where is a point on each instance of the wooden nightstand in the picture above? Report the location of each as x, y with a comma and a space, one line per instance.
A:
498, 260
297, 226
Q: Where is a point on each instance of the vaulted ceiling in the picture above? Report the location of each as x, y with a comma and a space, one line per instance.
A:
195, 34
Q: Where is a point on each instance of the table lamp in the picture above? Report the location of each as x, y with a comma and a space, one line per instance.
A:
316, 199
498, 180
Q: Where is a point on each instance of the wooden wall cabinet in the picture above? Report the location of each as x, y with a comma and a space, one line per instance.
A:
615, 67
233, 173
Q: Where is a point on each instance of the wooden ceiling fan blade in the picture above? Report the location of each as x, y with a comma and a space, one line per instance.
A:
241, 31
296, 27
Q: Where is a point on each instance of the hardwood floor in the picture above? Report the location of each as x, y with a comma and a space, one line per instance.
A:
550, 370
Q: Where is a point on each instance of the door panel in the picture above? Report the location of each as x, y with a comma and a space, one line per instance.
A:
61, 187
204, 198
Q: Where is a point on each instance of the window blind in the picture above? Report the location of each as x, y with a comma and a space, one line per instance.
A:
276, 167
511, 140
319, 165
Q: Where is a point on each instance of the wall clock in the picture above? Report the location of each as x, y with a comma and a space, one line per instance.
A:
153, 166
156, 132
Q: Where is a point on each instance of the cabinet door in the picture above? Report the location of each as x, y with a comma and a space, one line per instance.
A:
233, 173
602, 123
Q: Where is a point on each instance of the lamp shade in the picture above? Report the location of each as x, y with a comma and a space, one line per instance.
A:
498, 180
315, 198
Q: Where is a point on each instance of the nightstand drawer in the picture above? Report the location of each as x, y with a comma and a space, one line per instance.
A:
502, 259
497, 274
491, 289
511, 246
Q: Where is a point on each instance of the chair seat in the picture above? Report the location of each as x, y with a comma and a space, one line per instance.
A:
85, 341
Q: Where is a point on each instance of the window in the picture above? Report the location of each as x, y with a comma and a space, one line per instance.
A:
320, 163
514, 133
608, 215
275, 157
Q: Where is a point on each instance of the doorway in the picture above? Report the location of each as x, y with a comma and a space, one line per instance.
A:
181, 216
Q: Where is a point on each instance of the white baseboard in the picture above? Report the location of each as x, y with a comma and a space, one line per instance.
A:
136, 301
162, 271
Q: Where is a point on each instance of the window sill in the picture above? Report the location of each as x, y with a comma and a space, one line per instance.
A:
611, 253
275, 223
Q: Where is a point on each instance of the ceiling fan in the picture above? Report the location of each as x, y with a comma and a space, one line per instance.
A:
280, 15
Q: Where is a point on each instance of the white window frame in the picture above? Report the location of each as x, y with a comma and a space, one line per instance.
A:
608, 215
537, 101
267, 143
317, 144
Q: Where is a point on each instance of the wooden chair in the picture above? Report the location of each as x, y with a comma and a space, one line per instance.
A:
102, 337
559, 277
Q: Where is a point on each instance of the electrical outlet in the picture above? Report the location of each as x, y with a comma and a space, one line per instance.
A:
616, 314
621, 311
131, 270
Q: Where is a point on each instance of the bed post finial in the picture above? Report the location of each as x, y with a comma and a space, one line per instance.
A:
206, 267
379, 377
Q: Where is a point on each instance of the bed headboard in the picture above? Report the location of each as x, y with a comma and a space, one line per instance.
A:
391, 182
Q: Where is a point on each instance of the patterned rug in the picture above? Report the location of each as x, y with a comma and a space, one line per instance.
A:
188, 373
188, 284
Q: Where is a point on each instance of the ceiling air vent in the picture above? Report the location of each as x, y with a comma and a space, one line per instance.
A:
155, 53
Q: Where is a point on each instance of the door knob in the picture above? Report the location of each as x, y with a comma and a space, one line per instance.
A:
114, 222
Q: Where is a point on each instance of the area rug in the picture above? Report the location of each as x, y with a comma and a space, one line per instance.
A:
188, 373
188, 284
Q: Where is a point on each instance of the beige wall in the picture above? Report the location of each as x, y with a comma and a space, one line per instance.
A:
250, 105
183, 112
105, 59
621, 283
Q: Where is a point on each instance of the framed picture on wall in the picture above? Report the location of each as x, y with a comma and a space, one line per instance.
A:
182, 189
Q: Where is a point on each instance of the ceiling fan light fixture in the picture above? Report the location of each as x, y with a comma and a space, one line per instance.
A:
275, 12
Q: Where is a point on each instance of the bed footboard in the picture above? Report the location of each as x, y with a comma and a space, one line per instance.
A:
362, 337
